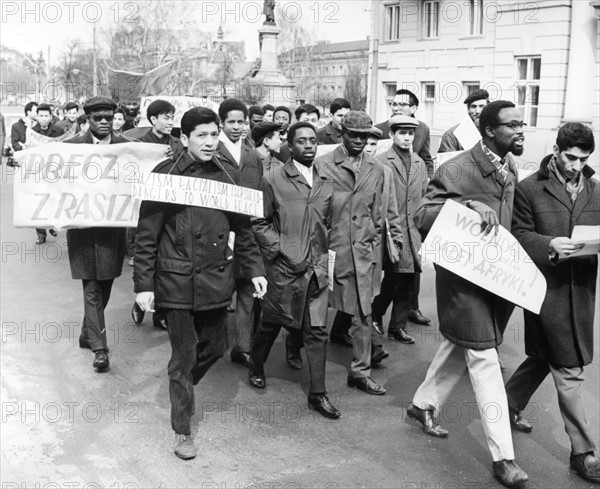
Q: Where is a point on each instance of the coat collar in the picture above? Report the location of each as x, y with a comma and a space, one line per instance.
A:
544, 172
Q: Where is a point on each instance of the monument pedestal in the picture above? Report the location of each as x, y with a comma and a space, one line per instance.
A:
269, 82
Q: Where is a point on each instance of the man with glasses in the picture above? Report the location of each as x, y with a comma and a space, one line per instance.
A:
473, 319
96, 254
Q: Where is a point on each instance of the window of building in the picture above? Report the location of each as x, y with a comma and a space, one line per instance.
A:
475, 19
426, 109
392, 22
390, 91
528, 87
431, 18
470, 87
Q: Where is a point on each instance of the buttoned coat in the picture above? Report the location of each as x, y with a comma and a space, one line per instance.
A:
470, 316
96, 253
328, 135
355, 234
563, 332
410, 185
182, 252
293, 238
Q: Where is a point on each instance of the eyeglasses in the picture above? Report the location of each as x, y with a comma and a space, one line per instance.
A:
100, 117
513, 124
401, 104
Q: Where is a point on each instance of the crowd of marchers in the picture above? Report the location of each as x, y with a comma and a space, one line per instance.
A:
342, 232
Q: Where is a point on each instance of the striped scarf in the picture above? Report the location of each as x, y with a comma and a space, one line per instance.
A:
573, 186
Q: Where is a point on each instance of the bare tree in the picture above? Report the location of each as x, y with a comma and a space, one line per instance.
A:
355, 86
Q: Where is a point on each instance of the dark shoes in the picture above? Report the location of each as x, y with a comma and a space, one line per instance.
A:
417, 317
321, 404
344, 340
137, 314
366, 384
53, 232
378, 325
427, 421
101, 362
586, 466
185, 448
378, 355
159, 321
293, 358
257, 377
401, 335
41, 240
518, 422
509, 473
240, 357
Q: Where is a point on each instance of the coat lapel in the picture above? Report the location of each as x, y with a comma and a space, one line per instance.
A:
583, 198
222, 149
555, 188
396, 163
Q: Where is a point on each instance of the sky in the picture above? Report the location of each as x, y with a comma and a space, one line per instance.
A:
32, 26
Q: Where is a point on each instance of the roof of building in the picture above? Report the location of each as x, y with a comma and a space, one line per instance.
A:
331, 47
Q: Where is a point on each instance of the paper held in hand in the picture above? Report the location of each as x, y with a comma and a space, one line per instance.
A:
496, 263
590, 236
467, 133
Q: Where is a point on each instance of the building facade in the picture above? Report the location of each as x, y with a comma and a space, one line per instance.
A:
543, 55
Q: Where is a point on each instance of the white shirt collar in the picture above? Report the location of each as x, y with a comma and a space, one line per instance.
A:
306, 172
106, 140
234, 148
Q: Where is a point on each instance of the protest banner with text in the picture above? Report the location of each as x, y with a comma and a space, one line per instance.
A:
495, 262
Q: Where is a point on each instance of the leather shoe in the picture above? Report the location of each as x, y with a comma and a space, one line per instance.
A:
518, 422
159, 321
378, 355
321, 404
401, 335
427, 421
378, 326
101, 362
240, 357
293, 358
137, 313
586, 466
257, 378
84, 342
53, 232
344, 340
231, 308
185, 448
366, 384
509, 473
416, 316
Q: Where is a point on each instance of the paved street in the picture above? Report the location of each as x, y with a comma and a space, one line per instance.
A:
63, 425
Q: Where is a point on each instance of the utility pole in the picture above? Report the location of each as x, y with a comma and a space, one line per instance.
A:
94, 67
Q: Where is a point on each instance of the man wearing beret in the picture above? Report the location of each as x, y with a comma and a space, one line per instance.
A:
355, 237
475, 104
410, 182
96, 254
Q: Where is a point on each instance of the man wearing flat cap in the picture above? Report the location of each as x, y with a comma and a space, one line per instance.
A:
96, 254
267, 140
410, 183
374, 136
355, 237
475, 104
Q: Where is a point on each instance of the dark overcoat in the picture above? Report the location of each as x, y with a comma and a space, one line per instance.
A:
293, 238
450, 142
329, 135
410, 185
355, 234
182, 252
96, 253
469, 315
563, 332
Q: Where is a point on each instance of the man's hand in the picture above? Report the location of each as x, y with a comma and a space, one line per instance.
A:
260, 287
146, 301
565, 246
488, 216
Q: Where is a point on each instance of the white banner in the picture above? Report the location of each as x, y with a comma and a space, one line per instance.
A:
34, 139
81, 185
496, 263
182, 105
200, 192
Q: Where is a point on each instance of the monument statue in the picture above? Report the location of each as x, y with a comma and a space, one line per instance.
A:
269, 11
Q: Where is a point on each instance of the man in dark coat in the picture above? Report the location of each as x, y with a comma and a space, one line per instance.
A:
245, 166
294, 242
355, 237
331, 133
96, 254
183, 264
410, 182
473, 319
560, 340
18, 131
406, 102
71, 111
475, 104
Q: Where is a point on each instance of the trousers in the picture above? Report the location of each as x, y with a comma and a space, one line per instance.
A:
96, 294
247, 314
396, 288
446, 369
569, 382
198, 339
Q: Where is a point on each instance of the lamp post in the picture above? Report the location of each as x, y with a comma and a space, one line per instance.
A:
186, 77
